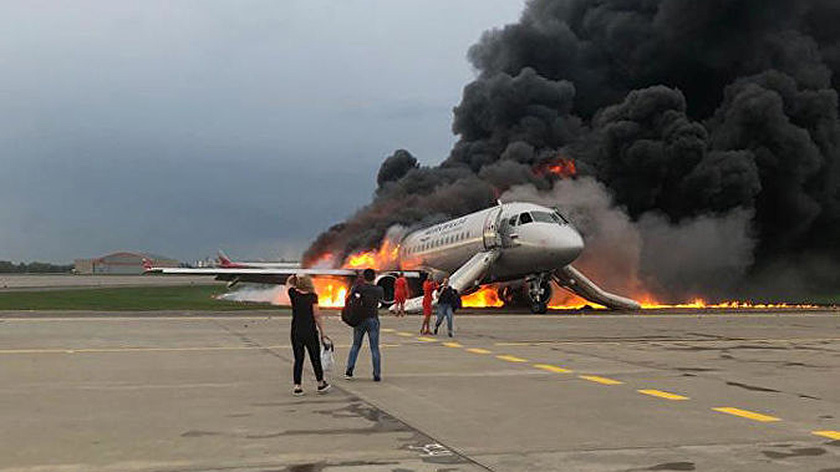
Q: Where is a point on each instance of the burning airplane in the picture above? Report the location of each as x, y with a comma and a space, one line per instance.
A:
508, 243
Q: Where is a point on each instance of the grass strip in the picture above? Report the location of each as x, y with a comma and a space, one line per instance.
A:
188, 297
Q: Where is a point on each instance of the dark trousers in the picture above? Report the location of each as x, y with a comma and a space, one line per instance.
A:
309, 342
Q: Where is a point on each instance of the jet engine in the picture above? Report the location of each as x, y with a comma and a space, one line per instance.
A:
386, 281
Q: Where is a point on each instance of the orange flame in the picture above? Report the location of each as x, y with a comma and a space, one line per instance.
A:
331, 292
485, 297
562, 300
386, 257
560, 168
649, 303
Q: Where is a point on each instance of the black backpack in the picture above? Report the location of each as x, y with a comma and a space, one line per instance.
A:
355, 310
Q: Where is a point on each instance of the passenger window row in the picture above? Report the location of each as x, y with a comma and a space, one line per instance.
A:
438, 242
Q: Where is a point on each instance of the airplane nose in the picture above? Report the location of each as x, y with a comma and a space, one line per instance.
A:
568, 245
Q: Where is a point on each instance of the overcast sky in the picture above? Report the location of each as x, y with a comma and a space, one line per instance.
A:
183, 127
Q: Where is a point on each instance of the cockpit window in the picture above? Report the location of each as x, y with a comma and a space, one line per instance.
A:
560, 218
543, 217
512, 221
525, 218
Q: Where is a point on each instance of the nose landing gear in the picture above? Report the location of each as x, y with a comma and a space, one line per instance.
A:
539, 293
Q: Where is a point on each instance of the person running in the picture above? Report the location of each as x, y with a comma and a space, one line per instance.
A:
448, 301
429, 287
306, 324
400, 294
372, 295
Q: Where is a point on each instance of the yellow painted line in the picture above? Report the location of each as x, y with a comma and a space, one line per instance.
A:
387, 330
747, 414
426, 339
661, 394
452, 345
600, 380
553, 368
478, 350
828, 434
511, 358
404, 334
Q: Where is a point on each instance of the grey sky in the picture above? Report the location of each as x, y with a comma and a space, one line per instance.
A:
182, 127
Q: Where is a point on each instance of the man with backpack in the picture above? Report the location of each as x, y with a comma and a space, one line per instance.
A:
361, 311
449, 300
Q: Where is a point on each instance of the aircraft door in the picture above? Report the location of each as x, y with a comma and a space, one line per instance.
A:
507, 232
492, 239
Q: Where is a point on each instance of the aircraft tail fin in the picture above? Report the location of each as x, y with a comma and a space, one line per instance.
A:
224, 260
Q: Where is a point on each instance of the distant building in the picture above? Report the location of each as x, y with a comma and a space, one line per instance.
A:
121, 263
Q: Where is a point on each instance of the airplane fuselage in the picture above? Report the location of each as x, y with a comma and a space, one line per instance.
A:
530, 239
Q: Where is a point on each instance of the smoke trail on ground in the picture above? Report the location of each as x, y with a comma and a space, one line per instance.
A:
701, 117
274, 294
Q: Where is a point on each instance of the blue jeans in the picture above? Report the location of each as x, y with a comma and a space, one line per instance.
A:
371, 327
444, 310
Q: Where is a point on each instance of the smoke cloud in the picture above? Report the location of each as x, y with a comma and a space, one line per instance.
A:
708, 126
650, 255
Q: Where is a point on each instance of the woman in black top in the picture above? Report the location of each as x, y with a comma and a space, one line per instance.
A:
305, 318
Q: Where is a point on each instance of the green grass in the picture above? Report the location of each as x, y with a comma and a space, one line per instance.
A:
193, 297
824, 300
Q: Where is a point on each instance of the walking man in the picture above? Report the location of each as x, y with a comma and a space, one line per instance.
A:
448, 301
371, 296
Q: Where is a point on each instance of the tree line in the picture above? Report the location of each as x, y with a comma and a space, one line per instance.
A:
8, 267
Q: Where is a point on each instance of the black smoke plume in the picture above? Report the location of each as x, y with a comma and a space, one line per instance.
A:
684, 110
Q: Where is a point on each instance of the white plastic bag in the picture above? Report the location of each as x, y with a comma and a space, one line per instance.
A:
327, 354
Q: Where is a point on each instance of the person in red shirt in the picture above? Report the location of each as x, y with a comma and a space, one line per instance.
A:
429, 287
400, 293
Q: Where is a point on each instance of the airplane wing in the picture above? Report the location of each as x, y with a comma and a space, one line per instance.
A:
259, 276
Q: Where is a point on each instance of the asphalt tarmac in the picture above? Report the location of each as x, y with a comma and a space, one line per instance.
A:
598, 392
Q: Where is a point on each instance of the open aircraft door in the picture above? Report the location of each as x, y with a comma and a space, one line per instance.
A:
492, 238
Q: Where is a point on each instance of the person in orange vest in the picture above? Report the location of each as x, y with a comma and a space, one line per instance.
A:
429, 287
400, 293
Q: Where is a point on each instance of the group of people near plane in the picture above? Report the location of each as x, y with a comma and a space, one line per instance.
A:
307, 330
